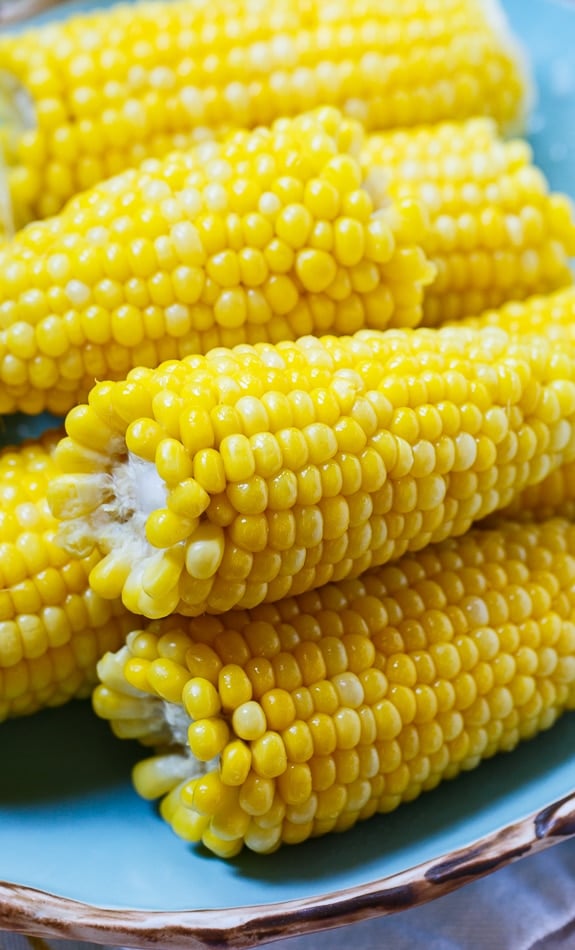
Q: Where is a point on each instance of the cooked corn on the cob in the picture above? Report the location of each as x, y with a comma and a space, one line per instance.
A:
103, 91
286, 722
254, 240
271, 235
246, 475
53, 629
495, 234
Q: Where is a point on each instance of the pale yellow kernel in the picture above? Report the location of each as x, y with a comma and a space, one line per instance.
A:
249, 721
205, 551
257, 794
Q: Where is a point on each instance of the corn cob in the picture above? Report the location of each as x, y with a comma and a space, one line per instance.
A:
271, 235
246, 475
496, 234
282, 723
53, 629
134, 301
103, 91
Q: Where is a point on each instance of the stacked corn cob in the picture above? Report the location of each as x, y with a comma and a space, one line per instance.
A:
302, 716
258, 483
100, 93
243, 476
282, 723
269, 236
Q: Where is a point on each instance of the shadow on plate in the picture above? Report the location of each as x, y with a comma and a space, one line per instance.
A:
61, 754
16, 428
67, 754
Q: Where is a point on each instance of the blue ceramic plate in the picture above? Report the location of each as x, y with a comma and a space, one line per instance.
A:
81, 856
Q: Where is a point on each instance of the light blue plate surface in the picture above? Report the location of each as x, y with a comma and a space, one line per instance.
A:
70, 823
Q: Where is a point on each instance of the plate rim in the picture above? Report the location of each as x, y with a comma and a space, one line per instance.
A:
40, 913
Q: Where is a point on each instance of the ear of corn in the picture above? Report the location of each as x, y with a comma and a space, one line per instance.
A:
103, 91
53, 629
250, 240
247, 475
495, 234
271, 235
288, 722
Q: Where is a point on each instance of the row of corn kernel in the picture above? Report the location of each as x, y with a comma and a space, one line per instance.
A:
554, 317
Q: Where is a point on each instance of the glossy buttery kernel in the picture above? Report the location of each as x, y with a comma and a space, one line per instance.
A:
367, 447
53, 629
267, 235
106, 90
440, 660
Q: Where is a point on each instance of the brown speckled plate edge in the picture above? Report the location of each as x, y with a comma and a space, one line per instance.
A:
16, 11
39, 913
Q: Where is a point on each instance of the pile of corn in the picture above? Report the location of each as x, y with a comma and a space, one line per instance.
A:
310, 317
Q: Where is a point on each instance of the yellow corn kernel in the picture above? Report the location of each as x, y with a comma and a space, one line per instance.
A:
257, 794
53, 628
154, 777
191, 826
268, 755
200, 698
236, 762
430, 703
147, 267
207, 738
499, 400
